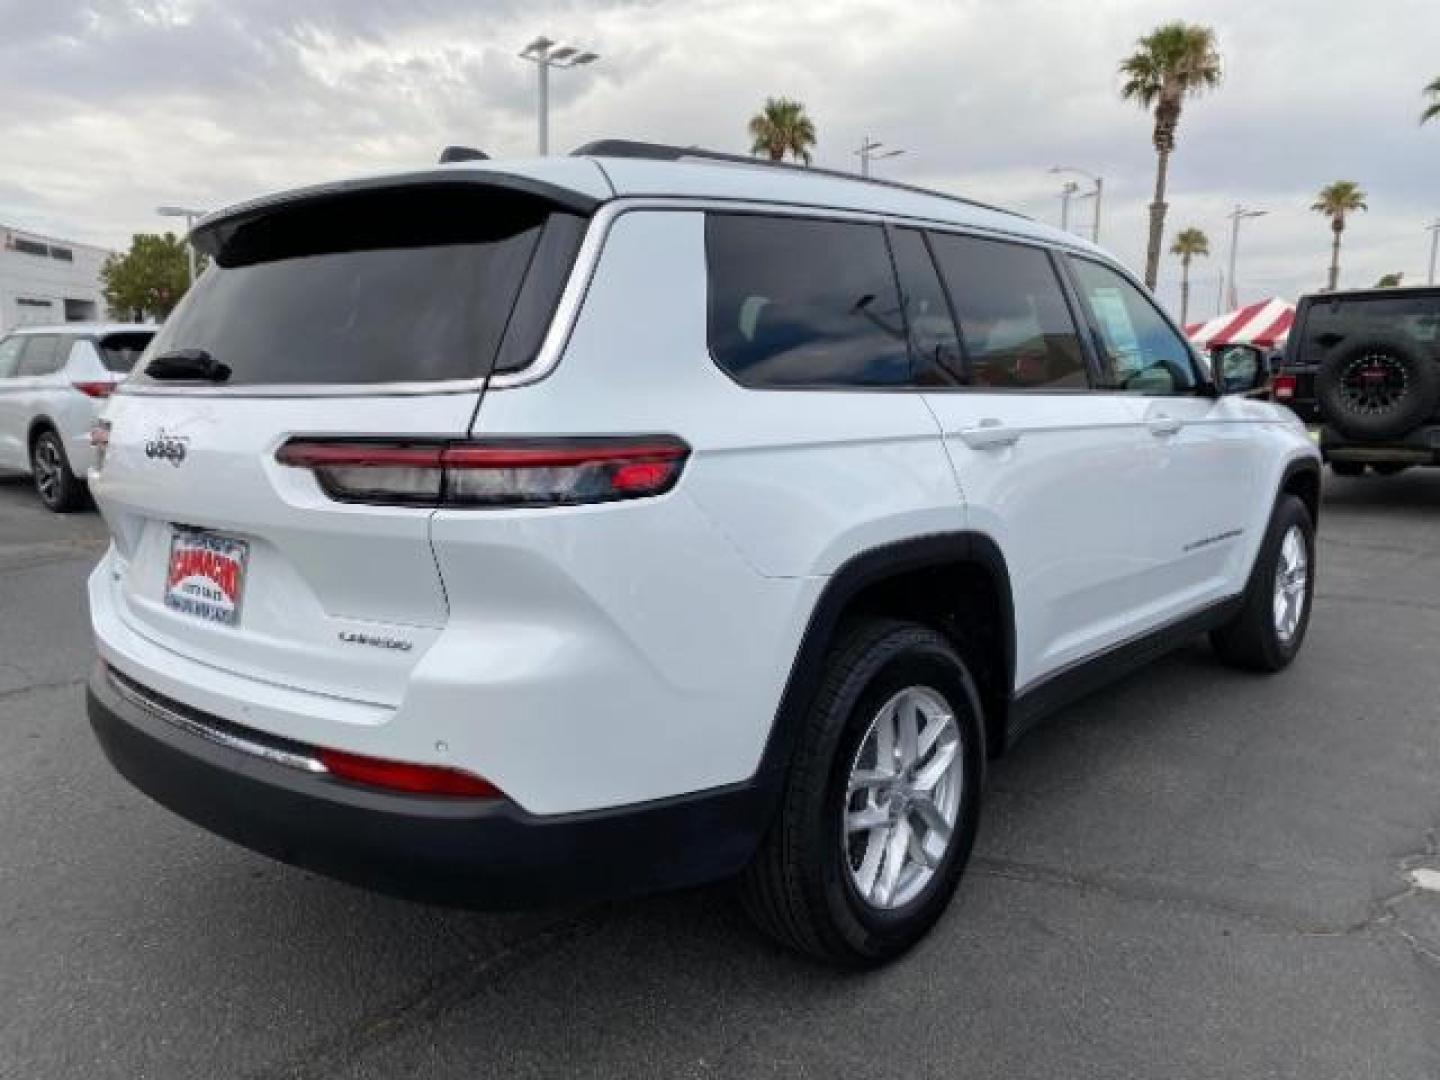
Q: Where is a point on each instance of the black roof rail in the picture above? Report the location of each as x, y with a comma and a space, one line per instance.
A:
631, 148
462, 153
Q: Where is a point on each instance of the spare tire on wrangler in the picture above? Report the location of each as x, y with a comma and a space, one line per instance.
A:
1378, 387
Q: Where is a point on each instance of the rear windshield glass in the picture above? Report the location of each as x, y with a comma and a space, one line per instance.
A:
1413, 320
401, 285
119, 352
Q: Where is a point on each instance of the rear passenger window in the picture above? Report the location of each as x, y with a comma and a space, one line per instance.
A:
42, 355
802, 302
1017, 327
932, 329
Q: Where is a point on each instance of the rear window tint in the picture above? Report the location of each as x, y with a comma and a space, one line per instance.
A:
118, 352
1414, 320
401, 285
1013, 316
800, 302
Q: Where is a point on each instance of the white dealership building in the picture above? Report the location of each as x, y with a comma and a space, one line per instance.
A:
45, 280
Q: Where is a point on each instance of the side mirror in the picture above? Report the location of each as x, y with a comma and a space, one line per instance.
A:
1241, 370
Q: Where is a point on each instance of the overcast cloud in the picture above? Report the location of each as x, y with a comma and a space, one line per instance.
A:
110, 108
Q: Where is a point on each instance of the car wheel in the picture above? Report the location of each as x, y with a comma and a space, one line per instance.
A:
881, 802
1348, 468
1389, 468
59, 488
1271, 625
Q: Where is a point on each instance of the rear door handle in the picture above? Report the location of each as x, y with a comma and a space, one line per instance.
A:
989, 434
1163, 426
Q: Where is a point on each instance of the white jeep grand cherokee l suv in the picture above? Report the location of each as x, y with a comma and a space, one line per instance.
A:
53, 380
522, 532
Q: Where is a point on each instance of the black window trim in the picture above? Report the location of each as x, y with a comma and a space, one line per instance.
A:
1204, 385
964, 373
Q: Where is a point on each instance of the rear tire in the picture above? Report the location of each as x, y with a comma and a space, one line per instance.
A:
1347, 468
856, 866
1389, 468
58, 487
1270, 628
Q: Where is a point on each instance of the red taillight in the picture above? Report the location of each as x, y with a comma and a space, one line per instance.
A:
403, 776
498, 473
1283, 387
95, 389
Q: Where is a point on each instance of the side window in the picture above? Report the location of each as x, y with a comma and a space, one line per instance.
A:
1017, 327
1139, 349
803, 302
42, 355
10, 355
932, 328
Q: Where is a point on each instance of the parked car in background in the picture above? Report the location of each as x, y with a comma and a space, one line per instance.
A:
518, 532
1364, 366
53, 380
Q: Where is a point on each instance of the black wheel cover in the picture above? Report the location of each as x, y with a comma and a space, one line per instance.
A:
1377, 388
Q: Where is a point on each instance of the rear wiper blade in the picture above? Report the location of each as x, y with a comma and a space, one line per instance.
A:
187, 364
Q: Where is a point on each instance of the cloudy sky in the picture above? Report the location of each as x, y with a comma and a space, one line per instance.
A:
109, 108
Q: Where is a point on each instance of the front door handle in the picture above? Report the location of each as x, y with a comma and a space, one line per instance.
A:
1163, 426
989, 434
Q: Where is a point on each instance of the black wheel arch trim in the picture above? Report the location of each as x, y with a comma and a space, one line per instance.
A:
872, 567
1304, 466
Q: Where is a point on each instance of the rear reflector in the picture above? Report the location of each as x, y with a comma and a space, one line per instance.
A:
406, 777
1283, 387
95, 389
494, 473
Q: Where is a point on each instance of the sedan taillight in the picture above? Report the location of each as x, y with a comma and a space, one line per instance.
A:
491, 473
100, 389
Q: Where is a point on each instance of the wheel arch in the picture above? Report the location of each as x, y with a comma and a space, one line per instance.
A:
38, 425
886, 580
1302, 479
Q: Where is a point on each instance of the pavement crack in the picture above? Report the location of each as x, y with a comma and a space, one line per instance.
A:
21, 691
445, 991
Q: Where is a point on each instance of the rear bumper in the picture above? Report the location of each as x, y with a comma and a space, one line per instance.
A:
1419, 447
488, 854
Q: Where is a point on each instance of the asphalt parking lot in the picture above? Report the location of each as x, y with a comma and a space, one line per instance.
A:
1196, 873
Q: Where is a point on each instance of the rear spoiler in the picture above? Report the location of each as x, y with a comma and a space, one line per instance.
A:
214, 232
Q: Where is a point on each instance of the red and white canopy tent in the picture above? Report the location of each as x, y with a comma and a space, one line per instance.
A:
1265, 323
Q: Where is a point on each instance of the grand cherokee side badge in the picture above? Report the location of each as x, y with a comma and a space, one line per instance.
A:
350, 637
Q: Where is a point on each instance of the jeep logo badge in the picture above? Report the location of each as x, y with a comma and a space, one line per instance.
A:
165, 447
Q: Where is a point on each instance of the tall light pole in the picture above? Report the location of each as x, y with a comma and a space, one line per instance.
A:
1067, 192
1236, 216
189, 216
867, 152
1098, 193
546, 54
1434, 231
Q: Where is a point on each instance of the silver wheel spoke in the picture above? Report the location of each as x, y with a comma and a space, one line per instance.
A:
870, 778
908, 720
936, 768
929, 813
897, 846
872, 817
920, 853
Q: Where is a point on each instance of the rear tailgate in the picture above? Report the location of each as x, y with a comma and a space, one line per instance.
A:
375, 312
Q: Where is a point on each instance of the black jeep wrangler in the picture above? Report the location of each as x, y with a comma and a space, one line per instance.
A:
1364, 365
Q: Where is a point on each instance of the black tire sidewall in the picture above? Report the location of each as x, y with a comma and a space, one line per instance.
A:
1422, 374
867, 932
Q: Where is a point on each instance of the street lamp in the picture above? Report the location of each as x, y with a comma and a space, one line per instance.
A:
1434, 231
545, 54
867, 152
189, 216
1067, 192
1236, 216
1098, 193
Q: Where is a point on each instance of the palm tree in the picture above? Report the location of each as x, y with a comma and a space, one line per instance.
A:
782, 128
1188, 244
1335, 201
1171, 63
1432, 111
